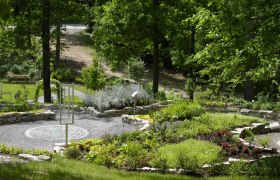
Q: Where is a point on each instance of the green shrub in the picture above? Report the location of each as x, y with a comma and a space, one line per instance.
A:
180, 111
93, 77
102, 154
132, 155
136, 69
63, 74
190, 154
265, 167
72, 152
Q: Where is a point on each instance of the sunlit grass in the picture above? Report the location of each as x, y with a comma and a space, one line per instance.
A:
13, 88
145, 117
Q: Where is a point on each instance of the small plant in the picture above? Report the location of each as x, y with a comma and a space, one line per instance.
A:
72, 152
264, 142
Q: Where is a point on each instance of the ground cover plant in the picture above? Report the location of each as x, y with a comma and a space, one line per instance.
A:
180, 111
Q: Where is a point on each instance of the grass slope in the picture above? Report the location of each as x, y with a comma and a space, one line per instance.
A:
65, 169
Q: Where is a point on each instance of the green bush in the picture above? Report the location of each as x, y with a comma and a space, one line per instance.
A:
132, 155
265, 167
181, 111
72, 152
63, 74
93, 77
102, 154
191, 154
136, 69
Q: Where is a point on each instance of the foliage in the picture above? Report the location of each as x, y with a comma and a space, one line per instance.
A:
63, 74
102, 154
11, 150
265, 141
72, 152
172, 95
118, 96
93, 77
39, 86
136, 69
208, 123
264, 167
180, 111
132, 156
191, 154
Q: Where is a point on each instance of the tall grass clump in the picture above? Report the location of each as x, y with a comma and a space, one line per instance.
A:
116, 97
180, 111
208, 123
191, 154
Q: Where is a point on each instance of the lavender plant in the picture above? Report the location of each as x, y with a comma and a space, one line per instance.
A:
116, 97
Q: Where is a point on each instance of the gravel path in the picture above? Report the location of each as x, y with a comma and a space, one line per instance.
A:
54, 96
16, 134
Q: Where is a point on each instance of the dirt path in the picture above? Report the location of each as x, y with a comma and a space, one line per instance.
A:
79, 55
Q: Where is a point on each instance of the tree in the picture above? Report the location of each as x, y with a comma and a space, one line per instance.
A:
237, 46
46, 50
126, 30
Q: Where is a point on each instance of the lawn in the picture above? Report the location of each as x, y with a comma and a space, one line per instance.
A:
13, 88
62, 168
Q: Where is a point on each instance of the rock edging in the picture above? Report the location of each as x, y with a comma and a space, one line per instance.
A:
266, 114
15, 117
127, 110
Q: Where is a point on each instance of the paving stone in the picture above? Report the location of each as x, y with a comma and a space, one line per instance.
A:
29, 157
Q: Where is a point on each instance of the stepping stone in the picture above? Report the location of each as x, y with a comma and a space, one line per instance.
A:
274, 125
34, 158
255, 125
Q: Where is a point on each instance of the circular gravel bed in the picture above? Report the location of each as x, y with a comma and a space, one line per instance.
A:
56, 132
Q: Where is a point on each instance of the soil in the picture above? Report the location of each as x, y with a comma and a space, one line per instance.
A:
78, 55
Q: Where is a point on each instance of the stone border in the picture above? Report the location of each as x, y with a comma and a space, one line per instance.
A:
265, 114
16, 117
129, 119
127, 110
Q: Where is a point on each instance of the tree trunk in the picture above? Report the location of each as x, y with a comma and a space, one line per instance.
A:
46, 50
249, 86
156, 35
29, 41
192, 52
249, 90
58, 42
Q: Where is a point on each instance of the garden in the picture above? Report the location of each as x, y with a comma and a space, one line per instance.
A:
161, 89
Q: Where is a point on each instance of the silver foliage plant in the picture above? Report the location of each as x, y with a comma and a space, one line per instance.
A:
116, 97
